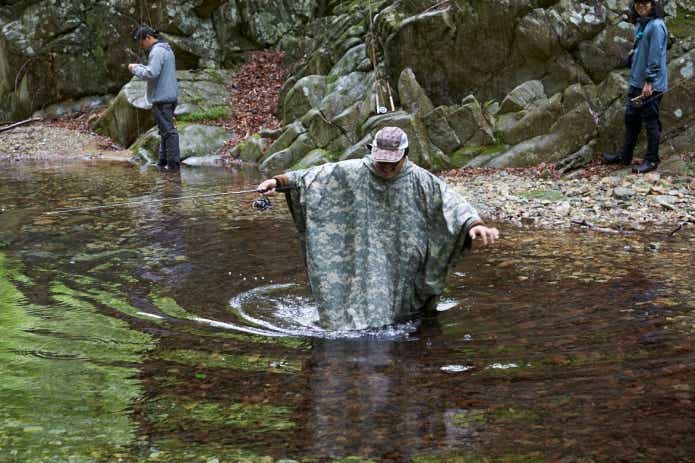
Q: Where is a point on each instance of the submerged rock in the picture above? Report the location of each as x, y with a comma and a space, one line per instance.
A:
204, 161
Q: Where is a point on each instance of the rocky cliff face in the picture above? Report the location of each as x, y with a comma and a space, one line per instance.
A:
498, 83
503, 82
52, 51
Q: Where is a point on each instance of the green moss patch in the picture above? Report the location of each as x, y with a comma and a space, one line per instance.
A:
683, 24
211, 114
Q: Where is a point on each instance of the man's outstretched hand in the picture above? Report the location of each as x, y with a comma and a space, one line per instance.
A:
268, 186
488, 235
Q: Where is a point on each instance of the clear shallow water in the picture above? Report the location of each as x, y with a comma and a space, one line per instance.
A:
182, 332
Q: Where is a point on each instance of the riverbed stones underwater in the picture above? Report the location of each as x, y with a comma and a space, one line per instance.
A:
105, 337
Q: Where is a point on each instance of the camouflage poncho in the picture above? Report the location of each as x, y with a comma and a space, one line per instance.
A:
377, 251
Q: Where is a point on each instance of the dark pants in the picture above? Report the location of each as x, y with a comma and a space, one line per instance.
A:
635, 115
169, 153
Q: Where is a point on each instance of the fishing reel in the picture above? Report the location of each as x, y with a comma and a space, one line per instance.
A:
262, 204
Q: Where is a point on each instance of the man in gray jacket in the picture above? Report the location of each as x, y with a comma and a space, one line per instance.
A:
162, 92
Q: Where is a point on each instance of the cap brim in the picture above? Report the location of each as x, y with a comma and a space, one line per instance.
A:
381, 155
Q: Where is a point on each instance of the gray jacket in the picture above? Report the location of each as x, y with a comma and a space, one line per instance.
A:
160, 74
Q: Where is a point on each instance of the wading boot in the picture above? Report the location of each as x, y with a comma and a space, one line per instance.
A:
616, 159
646, 166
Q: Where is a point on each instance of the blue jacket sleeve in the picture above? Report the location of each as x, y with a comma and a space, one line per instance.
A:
153, 68
657, 47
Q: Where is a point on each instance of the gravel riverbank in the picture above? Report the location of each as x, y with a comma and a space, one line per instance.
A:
620, 202
45, 142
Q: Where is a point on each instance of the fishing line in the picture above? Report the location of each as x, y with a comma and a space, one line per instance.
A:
263, 203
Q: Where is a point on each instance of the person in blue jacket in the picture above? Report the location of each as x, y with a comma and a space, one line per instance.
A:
162, 92
648, 81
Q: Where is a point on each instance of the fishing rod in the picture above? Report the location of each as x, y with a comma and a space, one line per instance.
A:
262, 203
636, 102
641, 100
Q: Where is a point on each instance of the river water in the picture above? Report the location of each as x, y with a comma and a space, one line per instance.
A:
183, 332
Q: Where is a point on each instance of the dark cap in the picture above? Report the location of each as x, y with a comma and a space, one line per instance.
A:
142, 32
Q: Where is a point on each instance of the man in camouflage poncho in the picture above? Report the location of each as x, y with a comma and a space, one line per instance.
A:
379, 234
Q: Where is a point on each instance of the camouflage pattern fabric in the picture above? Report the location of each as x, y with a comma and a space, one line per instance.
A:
377, 252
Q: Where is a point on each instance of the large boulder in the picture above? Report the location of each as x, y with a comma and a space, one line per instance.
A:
488, 48
421, 150
437, 45
85, 104
605, 52
351, 61
54, 51
288, 135
195, 140
321, 131
353, 117
566, 136
537, 39
678, 106
128, 116
343, 92
523, 96
202, 90
534, 122
307, 93
412, 96
267, 21
314, 158
253, 149
512, 55
451, 127
277, 161
229, 28
331, 95
439, 131
470, 123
